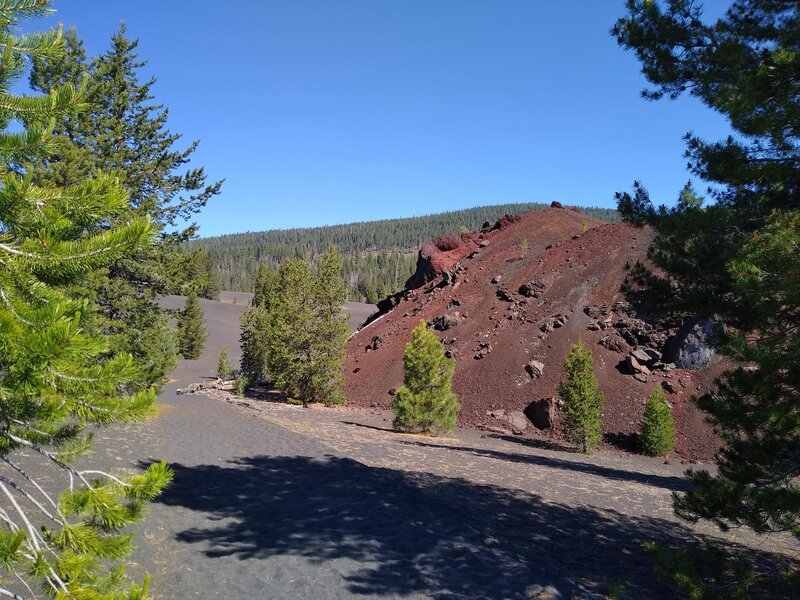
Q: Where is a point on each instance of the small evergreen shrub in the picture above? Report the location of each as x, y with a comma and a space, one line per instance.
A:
224, 367
657, 432
425, 401
583, 401
191, 329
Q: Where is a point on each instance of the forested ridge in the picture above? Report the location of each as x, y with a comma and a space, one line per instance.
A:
378, 256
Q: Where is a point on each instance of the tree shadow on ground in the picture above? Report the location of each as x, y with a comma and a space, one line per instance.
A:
536, 443
624, 441
416, 533
675, 484
375, 427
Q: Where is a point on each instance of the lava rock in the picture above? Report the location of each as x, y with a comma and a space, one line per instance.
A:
504, 295
531, 289
445, 322
482, 350
374, 344
518, 421
534, 368
541, 413
633, 366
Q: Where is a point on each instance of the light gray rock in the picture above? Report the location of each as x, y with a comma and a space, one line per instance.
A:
535, 369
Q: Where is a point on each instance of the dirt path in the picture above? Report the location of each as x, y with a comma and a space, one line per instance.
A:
273, 501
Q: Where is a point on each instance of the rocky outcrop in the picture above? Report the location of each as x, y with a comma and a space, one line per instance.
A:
532, 289
690, 347
446, 321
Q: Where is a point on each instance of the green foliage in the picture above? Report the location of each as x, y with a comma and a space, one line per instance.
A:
711, 573
192, 332
58, 375
657, 430
378, 256
192, 270
425, 401
304, 331
123, 132
241, 385
224, 367
582, 399
735, 258
253, 340
262, 290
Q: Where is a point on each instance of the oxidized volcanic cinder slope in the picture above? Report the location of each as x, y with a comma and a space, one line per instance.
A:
508, 302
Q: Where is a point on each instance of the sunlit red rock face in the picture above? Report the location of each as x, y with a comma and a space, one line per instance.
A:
508, 302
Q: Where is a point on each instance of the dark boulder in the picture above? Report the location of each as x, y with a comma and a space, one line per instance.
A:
541, 413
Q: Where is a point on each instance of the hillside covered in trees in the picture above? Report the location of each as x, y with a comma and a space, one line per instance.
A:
378, 256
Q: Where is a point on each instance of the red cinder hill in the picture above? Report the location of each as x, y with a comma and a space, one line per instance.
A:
508, 301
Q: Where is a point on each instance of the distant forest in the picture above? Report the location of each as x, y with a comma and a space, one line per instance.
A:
378, 255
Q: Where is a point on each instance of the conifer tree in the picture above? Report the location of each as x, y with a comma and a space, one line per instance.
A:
330, 330
583, 401
265, 281
425, 401
657, 431
57, 376
192, 332
254, 328
735, 257
193, 270
253, 341
224, 367
289, 334
295, 333
125, 133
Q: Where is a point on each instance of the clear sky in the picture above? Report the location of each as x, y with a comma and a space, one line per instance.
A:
330, 111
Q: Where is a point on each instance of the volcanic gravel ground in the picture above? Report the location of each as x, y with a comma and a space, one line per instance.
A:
273, 501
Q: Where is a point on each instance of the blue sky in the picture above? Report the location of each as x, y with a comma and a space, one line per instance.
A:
332, 111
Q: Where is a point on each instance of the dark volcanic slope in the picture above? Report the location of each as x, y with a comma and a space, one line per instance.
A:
571, 270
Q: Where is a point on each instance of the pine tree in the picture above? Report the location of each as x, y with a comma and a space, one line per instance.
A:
330, 330
253, 341
425, 401
734, 258
224, 367
254, 328
289, 334
125, 133
265, 280
657, 431
58, 376
582, 399
295, 332
191, 328
193, 271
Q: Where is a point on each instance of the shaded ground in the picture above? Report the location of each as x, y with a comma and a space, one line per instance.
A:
273, 501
